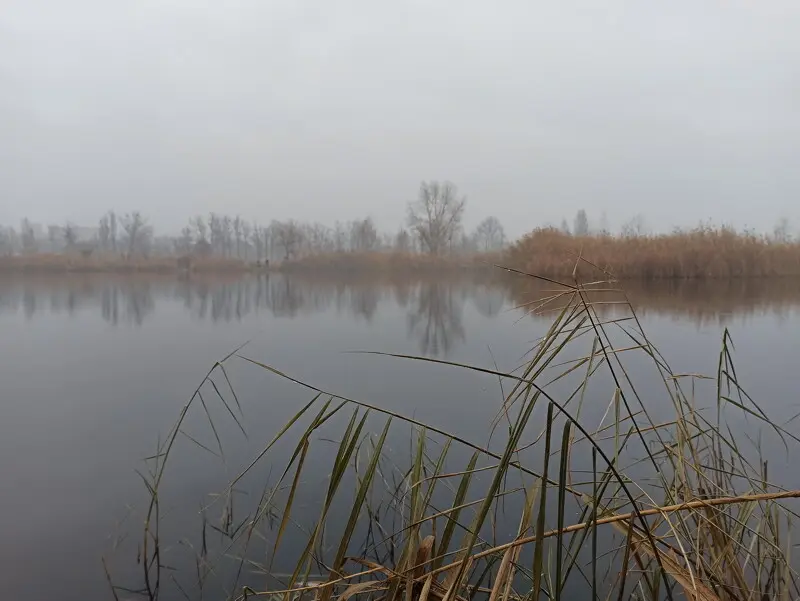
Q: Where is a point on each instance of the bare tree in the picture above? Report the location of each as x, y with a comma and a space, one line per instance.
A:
266, 234
227, 235
565, 227
634, 227
7, 235
436, 215
781, 232
27, 237
104, 232
245, 229
138, 233
237, 235
363, 236
185, 241
465, 243
490, 234
55, 237
112, 230
288, 236
70, 235
581, 225
217, 236
258, 242
402, 241
198, 224
339, 237
317, 238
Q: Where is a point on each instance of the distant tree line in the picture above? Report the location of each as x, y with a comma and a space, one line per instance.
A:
637, 226
434, 225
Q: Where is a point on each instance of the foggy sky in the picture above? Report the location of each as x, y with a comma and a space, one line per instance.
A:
337, 109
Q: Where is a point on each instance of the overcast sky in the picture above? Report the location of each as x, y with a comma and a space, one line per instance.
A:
337, 109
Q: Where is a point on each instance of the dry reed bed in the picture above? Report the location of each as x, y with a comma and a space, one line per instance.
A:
701, 253
613, 492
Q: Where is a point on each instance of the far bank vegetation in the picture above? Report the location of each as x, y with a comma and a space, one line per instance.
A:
432, 237
704, 252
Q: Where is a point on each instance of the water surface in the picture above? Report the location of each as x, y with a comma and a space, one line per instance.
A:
96, 368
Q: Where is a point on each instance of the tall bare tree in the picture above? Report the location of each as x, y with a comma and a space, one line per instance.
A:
27, 237
198, 225
216, 234
113, 230
436, 215
227, 235
339, 237
185, 241
258, 242
287, 236
402, 241
317, 238
266, 235
138, 233
104, 232
490, 234
634, 227
70, 235
781, 231
7, 236
237, 235
245, 228
363, 235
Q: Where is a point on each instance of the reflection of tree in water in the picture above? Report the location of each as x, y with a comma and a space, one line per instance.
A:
29, 302
284, 297
434, 306
109, 303
435, 318
8, 300
364, 301
489, 300
129, 300
138, 303
402, 292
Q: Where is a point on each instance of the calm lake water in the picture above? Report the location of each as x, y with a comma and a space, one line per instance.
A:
94, 370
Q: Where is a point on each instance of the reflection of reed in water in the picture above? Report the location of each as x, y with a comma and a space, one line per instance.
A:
712, 302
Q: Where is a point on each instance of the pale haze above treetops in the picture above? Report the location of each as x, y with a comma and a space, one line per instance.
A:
322, 111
